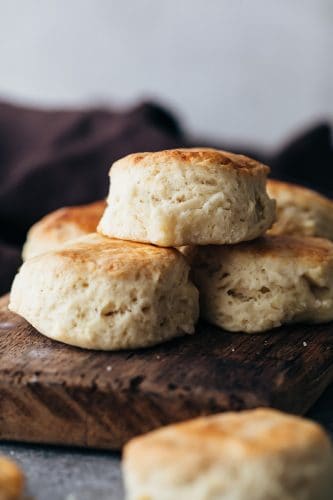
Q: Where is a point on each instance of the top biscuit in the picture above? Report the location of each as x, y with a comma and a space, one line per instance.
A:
300, 210
192, 196
61, 226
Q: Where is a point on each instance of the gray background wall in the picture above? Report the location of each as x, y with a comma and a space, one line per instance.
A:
238, 69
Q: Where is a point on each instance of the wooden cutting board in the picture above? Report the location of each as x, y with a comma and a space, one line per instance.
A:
53, 393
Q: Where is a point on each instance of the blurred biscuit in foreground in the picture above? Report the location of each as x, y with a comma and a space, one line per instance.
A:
257, 454
61, 226
300, 210
254, 286
100, 293
187, 197
11, 480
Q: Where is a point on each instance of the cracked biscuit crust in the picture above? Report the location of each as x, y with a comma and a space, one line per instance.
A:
258, 285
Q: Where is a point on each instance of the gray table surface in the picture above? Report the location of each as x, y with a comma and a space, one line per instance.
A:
66, 474
71, 474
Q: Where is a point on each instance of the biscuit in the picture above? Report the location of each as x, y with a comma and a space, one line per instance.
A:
100, 293
187, 197
11, 480
254, 286
301, 210
256, 454
61, 226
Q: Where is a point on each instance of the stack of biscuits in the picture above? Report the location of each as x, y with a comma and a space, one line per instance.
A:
128, 285
183, 233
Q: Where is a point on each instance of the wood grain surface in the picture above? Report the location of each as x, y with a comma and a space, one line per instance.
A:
57, 394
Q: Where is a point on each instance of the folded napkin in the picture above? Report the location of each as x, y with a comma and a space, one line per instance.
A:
52, 158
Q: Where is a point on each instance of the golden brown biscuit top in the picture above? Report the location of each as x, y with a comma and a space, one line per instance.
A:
308, 248
190, 157
297, 194
85, 217
284, 247
230, 435
111, 255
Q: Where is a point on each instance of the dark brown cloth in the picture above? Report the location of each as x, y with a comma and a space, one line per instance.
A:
54, 158
49, 159
307, 159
